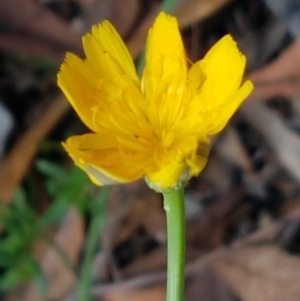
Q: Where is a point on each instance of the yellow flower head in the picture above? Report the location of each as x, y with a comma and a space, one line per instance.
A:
157, 127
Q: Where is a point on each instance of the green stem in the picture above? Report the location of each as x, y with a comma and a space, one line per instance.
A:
174, 207
97, 219
168, 6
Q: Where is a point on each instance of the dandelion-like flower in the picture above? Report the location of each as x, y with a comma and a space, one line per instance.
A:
158, 127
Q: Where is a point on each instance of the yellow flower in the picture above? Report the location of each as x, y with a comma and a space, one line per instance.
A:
157, 127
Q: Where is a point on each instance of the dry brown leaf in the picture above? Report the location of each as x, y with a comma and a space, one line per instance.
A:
61, 280
206, 285
254, 268
285, 144
31, 46
124, 14
261, 273
154, 261
15, 165
45, 30
251, 269
121, 14
208, 230
190, 12
231, 148
156, 293
136, 283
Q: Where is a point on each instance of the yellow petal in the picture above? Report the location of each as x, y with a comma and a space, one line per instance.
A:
225, 65
222, 69
101, 159
165, 54
216, 82
167, 176
221, 116
158, 129
164, 76
178, 164
78, 84
175, 169
127, 104
107, 54
199, 158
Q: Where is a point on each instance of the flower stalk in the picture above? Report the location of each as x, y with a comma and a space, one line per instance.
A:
175, 212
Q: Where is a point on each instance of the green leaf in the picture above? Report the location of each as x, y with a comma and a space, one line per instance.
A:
40, 281
54, 214
52, 170
71, 186
18, 273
